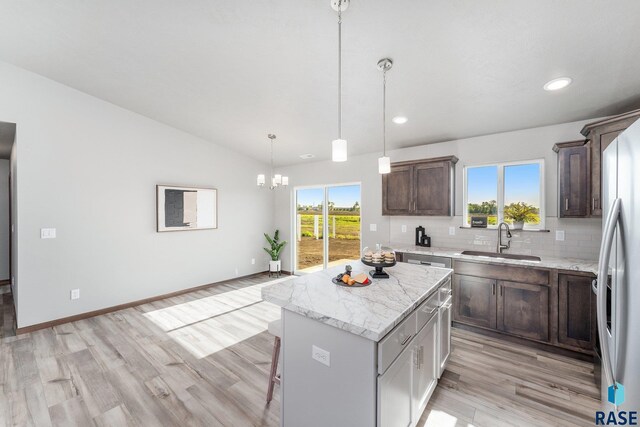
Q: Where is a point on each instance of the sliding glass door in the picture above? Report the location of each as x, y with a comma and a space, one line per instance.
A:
327, 226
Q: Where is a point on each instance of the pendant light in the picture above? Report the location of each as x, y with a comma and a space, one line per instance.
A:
339, 146
384, 162
275, 180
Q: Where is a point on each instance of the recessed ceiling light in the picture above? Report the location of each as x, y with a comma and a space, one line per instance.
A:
399, 120
307, 156
557, 84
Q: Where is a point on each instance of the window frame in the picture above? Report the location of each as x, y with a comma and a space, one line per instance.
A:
500, 194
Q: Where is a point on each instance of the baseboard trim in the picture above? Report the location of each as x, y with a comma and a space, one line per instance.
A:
523, 341
89, 314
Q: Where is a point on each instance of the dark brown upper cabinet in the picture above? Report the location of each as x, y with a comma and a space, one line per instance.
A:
573, 179
420, 187
601, 134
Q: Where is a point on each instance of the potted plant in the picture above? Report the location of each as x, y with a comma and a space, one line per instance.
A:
275, 265
519, 213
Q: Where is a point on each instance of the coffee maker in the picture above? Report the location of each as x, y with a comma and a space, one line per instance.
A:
421, 237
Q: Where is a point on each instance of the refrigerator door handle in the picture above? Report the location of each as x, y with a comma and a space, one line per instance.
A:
601, 298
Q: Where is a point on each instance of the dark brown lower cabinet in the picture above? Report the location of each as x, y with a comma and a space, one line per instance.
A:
576, 311
523, 309
516, 308
474, 300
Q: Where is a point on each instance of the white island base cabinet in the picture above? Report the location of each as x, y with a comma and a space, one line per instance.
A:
405, 387
353, 381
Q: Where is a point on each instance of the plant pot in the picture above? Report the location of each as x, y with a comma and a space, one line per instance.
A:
517, 225
275, 266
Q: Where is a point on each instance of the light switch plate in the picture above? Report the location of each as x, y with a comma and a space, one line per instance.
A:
75, 293
47, 233
404, 228
560, 235
373, 227
253, 261
321, 355
452, 231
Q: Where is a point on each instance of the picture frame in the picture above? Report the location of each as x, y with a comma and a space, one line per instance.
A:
180, 208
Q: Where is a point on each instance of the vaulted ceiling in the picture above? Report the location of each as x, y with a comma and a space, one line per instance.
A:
233, 71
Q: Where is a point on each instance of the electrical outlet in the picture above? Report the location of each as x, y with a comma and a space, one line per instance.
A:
560, 235
47, 233
373, 227
237, 272
404, 228
452, 231
321, 355
253, 261
75, 293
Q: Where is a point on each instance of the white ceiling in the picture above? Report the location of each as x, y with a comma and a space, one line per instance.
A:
7, 136
232, 71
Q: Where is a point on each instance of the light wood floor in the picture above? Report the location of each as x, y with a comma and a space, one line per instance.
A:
203, 358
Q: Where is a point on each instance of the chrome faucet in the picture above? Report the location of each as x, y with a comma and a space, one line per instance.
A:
502, 247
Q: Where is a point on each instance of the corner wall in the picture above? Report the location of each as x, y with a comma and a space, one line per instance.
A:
89, 169
5, 168
582, 235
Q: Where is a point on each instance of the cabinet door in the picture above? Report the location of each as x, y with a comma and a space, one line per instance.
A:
576, 311
523, 309
573, 179
432, 188
474, 301
444, 337
394, 392
396, 191
425, 365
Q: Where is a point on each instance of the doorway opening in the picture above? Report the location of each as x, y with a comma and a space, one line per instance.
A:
327, 226
7, 291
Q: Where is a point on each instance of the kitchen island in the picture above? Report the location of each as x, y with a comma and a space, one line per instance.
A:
362, 356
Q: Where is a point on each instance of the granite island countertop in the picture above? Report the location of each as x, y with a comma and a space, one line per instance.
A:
569, 264
371, 311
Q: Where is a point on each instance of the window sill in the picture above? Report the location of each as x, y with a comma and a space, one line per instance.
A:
512, 230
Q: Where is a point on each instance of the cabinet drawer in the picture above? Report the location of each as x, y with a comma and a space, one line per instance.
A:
428, 260
396, 341
427, 310
503, 272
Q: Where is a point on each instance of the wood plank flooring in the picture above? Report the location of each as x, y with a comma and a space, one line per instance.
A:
202, 359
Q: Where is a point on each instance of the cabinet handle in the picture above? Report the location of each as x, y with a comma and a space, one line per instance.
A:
406, 340
500, 290
493, 288
566, 204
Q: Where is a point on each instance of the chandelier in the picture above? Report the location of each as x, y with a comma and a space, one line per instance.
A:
277, 179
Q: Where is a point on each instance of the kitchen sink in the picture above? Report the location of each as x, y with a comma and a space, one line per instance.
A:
504, 256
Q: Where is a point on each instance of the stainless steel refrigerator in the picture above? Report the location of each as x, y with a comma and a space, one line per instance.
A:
618, 284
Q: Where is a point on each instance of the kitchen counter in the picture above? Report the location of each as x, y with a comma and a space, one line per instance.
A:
569, 264
371, 311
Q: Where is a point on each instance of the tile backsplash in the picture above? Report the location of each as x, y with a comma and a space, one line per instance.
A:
581, 236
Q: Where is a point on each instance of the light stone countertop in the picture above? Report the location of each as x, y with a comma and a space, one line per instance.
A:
371, 311
569, 264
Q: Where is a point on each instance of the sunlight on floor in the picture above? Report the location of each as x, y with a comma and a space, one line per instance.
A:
211, 324
441, 419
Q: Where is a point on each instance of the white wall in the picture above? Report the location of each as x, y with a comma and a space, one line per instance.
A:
582, 235
89, 169
5, 167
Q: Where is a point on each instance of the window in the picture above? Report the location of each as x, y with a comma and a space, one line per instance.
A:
511, 192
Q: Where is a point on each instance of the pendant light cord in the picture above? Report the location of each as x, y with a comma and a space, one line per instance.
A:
339, 69
384, 113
